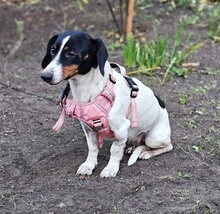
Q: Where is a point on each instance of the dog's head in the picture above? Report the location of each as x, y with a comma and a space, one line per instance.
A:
72, 53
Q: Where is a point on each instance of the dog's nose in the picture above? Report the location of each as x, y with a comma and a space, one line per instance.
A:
47, 76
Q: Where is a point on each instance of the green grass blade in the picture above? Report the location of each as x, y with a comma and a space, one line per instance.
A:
129, 52
177, 39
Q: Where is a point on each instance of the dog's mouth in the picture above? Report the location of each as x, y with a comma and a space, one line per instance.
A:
53, 77
69, 71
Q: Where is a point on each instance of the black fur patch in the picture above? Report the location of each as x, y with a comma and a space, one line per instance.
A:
89, 52
161, 102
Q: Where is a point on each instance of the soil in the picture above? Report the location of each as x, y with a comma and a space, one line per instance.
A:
38, 167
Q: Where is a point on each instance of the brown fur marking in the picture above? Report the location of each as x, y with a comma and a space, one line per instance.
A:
66, 48
69, 71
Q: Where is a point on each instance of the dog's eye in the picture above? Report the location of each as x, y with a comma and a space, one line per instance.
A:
52, 51
71, 53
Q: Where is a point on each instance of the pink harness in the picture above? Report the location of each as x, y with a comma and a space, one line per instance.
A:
95, 113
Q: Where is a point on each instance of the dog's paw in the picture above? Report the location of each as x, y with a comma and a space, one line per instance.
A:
86, 168
109, 171
146, 155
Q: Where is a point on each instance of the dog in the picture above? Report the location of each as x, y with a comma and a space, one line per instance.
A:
83, 61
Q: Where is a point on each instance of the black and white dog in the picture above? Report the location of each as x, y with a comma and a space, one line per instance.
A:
82, 60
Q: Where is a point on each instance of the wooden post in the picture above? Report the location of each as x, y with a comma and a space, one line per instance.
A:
130, 14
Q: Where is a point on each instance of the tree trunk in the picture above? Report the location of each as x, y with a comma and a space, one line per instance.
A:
130, 14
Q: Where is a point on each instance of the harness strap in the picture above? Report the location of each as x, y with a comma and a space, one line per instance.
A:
121, 68
132, 111
133, 86
61, 119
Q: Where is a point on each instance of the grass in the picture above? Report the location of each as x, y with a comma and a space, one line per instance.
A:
212, 72
152, 55
201, 90
184, 148
13, 199
147, 58
185, 3
199, 205
183, 99
22, 2
176, 58
182, 175
214, 24
197, 149
205, 14
191, 123
130, 52
80, 4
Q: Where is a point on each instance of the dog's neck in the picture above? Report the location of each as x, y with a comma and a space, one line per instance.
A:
86, 87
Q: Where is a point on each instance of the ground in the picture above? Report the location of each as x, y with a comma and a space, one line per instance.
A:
38, 167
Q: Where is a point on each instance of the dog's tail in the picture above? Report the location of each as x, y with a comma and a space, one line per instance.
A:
135, 154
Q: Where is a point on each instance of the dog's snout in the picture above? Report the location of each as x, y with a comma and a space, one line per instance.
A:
47, 76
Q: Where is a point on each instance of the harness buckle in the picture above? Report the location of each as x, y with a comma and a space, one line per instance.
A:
133, 86
112, 78
97, 125
134, 94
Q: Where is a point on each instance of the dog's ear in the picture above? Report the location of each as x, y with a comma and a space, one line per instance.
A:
101, 53
47, 57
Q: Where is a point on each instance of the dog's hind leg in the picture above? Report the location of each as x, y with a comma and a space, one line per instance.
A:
143, 152
157, 142
158, 139
91, 161
157, 150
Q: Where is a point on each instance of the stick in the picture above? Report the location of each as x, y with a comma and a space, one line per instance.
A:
113, 16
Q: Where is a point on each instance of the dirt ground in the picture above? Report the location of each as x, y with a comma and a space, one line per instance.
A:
38, 167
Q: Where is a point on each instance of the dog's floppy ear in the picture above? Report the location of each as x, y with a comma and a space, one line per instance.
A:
47, 57
101, 53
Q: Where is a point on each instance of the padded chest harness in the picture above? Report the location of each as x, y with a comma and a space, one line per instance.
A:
95, 113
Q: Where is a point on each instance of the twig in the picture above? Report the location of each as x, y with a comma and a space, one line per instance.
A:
27, 92
145, 71
121, 18
113, 16
15, 48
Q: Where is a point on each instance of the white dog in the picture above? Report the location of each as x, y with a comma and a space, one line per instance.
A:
82, 60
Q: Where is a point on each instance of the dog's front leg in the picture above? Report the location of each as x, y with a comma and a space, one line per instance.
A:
117, 149
91, 161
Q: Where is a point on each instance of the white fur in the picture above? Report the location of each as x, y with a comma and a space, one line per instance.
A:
152, 119
55, 67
